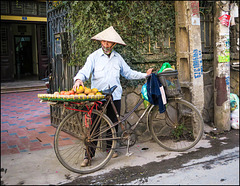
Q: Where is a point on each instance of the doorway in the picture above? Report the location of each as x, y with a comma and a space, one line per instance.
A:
23, 56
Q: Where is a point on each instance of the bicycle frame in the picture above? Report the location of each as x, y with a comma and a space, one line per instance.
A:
181, 131
120, 121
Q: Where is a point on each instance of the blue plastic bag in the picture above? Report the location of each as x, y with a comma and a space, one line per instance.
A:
144, 91
234, 101
144, 95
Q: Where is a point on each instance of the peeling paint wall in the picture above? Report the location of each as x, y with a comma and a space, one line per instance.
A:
220, 85
222, 67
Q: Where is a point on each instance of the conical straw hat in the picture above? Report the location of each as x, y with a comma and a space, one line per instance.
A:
109, 34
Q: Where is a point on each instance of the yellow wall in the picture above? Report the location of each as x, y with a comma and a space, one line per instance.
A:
23, 18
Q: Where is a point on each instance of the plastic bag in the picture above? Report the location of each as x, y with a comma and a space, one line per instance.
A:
235, 119
164, 66
144, 91
234, 106
144, 95
234, 102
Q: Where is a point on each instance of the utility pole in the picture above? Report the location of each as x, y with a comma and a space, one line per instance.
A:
189, 51
221, 66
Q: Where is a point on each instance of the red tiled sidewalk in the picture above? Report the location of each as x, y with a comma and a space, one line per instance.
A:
25, 123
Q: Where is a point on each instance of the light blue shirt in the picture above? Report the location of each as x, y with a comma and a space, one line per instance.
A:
106, 71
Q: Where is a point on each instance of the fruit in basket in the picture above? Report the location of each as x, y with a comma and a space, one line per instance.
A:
94, 90
56, 93
91, 94
67, 93
71, 92
62, 92
98, 93
80, 89
81, 94
87, 90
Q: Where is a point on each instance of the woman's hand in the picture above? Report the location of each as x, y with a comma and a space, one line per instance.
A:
77, 83
149, 71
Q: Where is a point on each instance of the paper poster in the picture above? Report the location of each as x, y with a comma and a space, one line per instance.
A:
224, 20
224, 58
195, 21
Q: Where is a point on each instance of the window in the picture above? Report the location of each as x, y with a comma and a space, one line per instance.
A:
4, 7
42, 9
23, 8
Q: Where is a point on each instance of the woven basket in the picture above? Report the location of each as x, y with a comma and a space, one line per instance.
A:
72, 98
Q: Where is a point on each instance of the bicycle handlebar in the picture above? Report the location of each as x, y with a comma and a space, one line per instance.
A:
109, 91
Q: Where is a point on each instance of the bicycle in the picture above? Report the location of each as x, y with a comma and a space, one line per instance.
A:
179, 128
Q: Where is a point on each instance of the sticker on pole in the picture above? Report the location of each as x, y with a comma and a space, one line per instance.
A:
224, 19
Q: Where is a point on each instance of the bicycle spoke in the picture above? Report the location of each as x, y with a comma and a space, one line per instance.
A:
179, 128
77, 138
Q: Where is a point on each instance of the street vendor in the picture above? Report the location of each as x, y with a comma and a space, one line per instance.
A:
106, 65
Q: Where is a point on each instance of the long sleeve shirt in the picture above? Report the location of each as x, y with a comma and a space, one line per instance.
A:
106, 71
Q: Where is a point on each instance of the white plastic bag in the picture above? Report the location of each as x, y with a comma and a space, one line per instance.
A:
235, 119
234, 104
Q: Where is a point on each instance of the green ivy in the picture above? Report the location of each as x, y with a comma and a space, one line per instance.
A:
135, 21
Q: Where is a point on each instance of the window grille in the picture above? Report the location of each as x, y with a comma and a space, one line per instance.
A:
4, 40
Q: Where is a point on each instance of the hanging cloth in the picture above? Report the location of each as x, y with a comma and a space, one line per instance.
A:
154, 94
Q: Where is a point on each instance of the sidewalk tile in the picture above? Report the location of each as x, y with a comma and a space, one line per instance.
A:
25, 120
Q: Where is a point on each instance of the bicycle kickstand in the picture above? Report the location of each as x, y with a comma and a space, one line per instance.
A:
128, 153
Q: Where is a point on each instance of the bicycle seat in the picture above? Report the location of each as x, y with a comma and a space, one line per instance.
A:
110, 90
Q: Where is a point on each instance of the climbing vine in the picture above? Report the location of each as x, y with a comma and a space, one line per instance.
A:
135, 21
143, 25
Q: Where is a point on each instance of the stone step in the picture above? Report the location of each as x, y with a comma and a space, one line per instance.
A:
5, 90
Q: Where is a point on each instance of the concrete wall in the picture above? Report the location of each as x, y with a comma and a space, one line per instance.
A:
131, 96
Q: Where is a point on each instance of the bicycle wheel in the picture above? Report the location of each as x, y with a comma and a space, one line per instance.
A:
78, 135
179, 128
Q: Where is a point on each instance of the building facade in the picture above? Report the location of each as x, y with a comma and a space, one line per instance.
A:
24, 52
196, 46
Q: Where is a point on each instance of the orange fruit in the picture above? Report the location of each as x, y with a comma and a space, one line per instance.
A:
81, 94
80, 89
87, 90
67, 93
98, 93
71, 92
94, 90
62, 93
56, 93
91, 94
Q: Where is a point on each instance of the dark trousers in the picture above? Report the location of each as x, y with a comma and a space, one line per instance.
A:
111, 114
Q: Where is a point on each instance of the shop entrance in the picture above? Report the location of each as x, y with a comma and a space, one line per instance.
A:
23, 56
